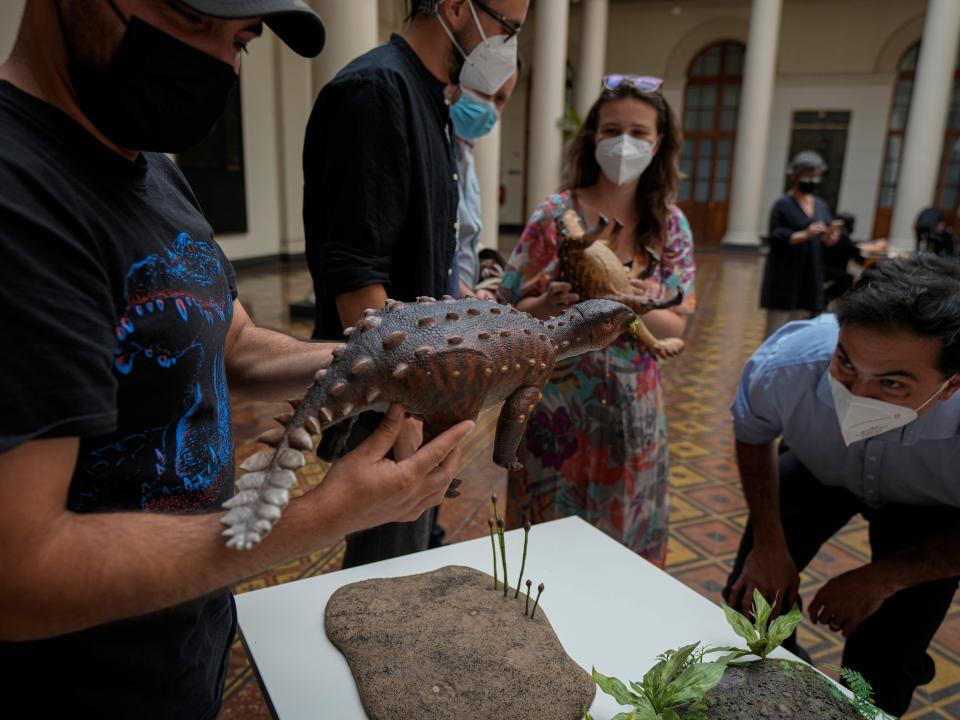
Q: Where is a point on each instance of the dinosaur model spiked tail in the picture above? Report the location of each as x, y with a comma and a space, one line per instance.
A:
270, 475
264, 489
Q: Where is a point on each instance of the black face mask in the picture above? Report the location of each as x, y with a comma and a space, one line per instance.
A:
808, 186
157, 93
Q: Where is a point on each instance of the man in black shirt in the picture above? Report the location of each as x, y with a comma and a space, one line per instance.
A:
122, 332
381, 183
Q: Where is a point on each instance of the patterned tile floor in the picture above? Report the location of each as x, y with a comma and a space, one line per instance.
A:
707, 507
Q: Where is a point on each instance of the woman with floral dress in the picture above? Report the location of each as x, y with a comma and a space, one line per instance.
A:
596, 445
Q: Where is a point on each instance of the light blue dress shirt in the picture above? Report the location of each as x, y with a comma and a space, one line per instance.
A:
468, 217
784, 392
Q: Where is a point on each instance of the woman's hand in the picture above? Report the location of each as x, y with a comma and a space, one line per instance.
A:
644, 288
813, 229
554, 300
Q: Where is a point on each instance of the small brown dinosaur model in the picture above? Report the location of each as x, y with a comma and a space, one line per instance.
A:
444, 361
592, 268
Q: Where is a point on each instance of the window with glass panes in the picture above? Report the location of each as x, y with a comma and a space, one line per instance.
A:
896, 127
711, 103
948, 184
948, 178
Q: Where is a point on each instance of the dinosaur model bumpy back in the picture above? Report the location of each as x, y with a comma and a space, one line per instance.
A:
444, 361
592, 268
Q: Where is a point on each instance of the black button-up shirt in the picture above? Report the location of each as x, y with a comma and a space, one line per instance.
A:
380, 195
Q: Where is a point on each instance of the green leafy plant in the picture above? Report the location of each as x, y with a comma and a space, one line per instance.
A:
762, 637
570, 123
671, 690
862, 694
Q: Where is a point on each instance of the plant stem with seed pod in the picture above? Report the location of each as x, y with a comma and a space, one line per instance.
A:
503, 555
537, 601
493, 547
523, 563
526, 610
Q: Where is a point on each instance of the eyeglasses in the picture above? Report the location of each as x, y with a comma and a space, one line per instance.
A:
509, 27
643, 83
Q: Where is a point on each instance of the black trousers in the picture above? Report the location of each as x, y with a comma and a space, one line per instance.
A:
890, 647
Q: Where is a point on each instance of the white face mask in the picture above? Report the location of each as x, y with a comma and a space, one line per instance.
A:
490, 64
861, 418
624, 158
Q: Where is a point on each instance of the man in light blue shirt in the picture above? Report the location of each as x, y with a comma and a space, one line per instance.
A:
865, 402
474, 115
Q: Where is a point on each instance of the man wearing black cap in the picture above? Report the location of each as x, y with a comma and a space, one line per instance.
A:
121, 331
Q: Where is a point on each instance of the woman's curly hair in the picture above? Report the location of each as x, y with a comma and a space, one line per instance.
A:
658, 184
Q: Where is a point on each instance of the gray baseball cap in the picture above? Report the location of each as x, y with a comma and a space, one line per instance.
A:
294, 21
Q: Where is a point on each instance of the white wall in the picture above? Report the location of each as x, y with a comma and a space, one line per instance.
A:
867, 99
262, 170
10, 12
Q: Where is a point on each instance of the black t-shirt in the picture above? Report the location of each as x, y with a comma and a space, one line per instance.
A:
115, 303
381, 192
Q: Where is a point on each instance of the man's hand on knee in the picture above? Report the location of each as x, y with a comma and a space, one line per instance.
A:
849, 599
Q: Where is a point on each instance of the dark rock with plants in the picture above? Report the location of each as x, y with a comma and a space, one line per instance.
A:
774, 689
684, 686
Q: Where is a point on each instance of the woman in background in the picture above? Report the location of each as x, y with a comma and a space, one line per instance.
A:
596, 446
800, 228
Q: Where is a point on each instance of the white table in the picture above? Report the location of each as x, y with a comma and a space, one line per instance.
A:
609, 607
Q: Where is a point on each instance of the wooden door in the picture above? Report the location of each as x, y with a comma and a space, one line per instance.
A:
711, 104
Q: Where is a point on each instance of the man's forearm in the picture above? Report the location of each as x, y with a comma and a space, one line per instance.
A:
350, 305
91, 569
934, 559
760, 475
265, 364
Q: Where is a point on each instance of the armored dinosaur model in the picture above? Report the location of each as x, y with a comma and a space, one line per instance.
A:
592, 268
443, 361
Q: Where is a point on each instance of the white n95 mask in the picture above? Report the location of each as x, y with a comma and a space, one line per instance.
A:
491, 63
862, 418
624, 158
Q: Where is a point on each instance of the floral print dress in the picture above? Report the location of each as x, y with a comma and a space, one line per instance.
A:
596, 445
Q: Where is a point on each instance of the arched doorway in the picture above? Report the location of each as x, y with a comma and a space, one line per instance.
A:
947, 193
711, 102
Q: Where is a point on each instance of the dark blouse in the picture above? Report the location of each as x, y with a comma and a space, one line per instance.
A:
793, 275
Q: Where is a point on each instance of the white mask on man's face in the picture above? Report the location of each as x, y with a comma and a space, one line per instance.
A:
490, 64
862, 418
624, 158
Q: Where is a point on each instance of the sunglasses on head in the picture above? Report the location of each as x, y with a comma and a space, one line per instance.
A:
643, 83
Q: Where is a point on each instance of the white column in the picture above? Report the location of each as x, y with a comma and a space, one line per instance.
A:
486, 155
753, 125
593, 53
294, 101
932, 87
10, 13
548, 83
352, 29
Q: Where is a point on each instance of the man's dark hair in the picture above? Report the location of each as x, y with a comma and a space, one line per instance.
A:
920, 294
